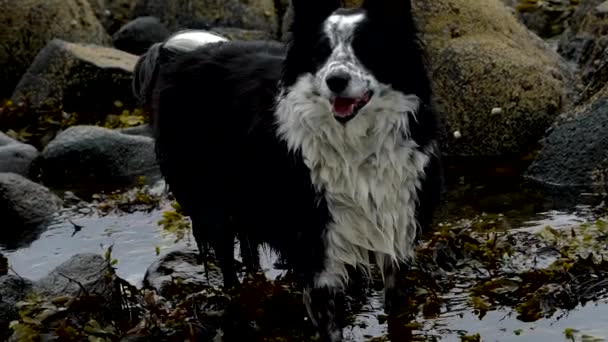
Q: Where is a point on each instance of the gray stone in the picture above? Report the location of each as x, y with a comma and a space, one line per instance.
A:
91, 155
24, 202
14, 289
86, 271
138, 35
16, 157
575, 151
181, 267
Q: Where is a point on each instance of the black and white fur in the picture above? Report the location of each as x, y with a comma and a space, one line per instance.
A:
254, 146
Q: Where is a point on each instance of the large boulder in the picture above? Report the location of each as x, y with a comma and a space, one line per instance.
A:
204, 14
138, 35
575, 151
96, 156
26, 26
498, 85
16, 157
87, 79
24, 203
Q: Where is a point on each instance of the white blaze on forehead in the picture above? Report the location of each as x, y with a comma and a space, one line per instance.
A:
190, 40
341, 27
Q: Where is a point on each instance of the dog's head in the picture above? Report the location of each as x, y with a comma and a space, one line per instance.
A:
350, 57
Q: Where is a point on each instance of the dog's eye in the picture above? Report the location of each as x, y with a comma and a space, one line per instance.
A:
322, 51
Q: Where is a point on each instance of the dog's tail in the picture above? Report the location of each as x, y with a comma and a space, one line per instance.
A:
147, 67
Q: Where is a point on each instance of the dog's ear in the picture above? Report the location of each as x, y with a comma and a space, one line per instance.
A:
391, 10
311, 13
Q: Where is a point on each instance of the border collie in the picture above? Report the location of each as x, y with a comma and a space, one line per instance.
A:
323, 149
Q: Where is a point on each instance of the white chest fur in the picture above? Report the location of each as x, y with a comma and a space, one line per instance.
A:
368, 169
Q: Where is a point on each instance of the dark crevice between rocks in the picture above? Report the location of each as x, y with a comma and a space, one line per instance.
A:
280, 7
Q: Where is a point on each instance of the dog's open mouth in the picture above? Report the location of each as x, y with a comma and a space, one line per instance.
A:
345, 108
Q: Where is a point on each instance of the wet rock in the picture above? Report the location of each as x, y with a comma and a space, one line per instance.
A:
585, 40
596, 79
548, 19
142, 130
82, 272
233, 33
24, 203
8, 313
91, 155
498, 85
87, 79
138, 35
27, 26
113, 13
16, 157
14, 289
204, 14
575, 151
178, 273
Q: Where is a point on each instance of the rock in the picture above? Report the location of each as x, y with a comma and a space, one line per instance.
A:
138, 35
484, 59
86, 271
8, 313
14, 289
498, 85
142, 130
585, 43
87, 79
180, 270
24, 203
548, 19
16, 157
113, 14
94, 155
26, 26
575, 151
233, 33
204, 14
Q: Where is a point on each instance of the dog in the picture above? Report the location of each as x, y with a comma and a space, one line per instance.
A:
323, 149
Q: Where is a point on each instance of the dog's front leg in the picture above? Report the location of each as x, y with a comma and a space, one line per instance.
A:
397, 291
322, 305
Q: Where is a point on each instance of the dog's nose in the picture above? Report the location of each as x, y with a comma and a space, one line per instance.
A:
338, 82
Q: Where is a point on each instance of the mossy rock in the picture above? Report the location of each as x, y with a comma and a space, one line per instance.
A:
77, 78
203, 14
26, 26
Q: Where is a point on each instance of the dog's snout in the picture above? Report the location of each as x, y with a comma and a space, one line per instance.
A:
338, 82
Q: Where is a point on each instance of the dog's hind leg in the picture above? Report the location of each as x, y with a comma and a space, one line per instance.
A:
212, 233
249, 253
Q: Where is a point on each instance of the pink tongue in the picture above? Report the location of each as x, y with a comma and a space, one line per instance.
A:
344, 106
